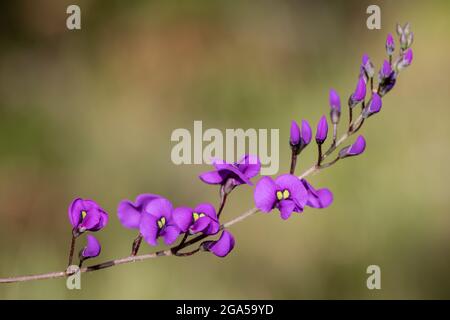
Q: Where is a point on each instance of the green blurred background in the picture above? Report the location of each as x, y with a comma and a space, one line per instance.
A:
89, 113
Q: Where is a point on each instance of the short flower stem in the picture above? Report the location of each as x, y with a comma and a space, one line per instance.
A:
293, 162
350, 116
223, 200
72, 249
136, 244
319, 154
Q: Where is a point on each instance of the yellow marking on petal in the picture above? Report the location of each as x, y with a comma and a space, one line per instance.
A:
279, 195
161, 222
201, 215
286, 194
195, 216
83, 214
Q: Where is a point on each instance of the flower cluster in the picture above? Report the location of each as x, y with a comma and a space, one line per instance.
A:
155, 217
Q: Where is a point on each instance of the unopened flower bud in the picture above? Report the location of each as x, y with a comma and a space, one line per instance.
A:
295, 134
300, 138
367, 65
359, 94
374, 106
335, 106
355, 149
322, 130
390, 45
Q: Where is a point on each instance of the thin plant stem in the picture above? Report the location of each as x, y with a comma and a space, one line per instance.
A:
72, 249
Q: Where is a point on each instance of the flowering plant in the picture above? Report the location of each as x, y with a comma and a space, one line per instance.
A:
199, 228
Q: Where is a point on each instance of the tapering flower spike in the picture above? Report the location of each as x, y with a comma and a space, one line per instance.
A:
359, 94
231, 175
221, 247
287, 193
390, 44
374, 106
355, 149
86, 215
130, 213
157, 221
202, 218
335, 106
322, 130
92, 249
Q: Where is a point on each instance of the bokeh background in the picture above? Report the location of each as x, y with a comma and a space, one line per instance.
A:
89, 113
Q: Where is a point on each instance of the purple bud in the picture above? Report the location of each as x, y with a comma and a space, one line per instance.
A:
335, 105
409, 39
295, 134
359, 94
390, 45
385, 70
408, 57
355, 149
374, 106
306, 133
367, 66
221, 247
322, 130
92, 249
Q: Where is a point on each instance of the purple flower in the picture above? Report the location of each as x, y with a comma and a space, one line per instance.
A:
235, 174
335, 105
221, 247
355, 149
86, 215
359, 94
92, 249
320, 198
390, 45
374, 106
157, 221
322, 130
129, 213
202, 218
286, 193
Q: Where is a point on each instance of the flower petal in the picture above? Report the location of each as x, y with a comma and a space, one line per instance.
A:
160, 207
182, 216
90, 221
286, 208
149, 228
93, 247
170, 234
296, 189
200, 225
322, 199
211, 177
207, 209
129, 215
223, 246
249, 165
265, 194
75, 209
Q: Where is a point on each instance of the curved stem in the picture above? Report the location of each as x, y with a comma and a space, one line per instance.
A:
171, 251
72, 249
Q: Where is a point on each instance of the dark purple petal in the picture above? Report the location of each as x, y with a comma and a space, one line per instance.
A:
374, 106
213, 228
223, 246
322, 130
295, 134
149, 228
182, 217
160, 207
170, 234
306, 132
92, 249
265, 194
